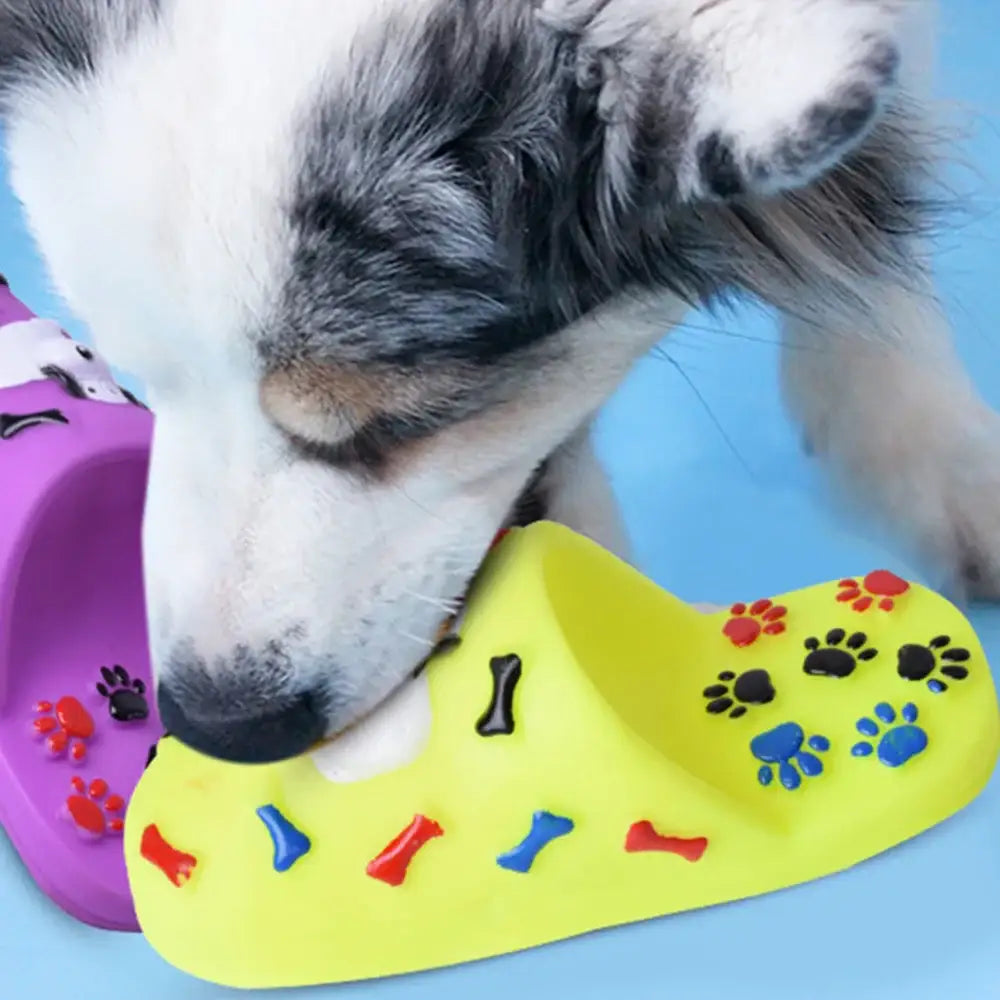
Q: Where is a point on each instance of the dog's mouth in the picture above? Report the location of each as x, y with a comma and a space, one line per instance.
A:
447, 638
530, 506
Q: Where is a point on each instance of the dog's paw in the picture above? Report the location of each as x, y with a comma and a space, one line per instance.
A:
939, 487
967, 537
762, 94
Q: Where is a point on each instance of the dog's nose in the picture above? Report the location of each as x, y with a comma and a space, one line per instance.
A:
277, 734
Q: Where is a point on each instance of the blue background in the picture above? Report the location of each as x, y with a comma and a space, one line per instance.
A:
722, 504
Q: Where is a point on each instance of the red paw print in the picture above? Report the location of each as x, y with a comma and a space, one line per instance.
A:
879, 583
92, 811
748, 623
66, 725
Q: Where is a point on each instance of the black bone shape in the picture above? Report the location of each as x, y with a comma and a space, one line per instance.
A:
498, 719
11, 424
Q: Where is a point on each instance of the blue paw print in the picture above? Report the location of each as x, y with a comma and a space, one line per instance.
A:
900, 743
782, 746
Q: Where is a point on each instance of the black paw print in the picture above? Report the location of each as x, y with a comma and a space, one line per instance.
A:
752, 687
126, 697
917, 663
837, 658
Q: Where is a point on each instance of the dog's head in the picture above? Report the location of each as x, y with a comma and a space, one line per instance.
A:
374, 262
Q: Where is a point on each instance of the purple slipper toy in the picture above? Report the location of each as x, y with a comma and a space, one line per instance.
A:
77, 716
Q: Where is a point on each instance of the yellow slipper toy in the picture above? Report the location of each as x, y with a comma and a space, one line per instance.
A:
594, 752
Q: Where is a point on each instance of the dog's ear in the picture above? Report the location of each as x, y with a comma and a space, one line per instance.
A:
741, 96
42, 41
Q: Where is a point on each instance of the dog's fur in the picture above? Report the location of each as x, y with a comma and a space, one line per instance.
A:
378, 262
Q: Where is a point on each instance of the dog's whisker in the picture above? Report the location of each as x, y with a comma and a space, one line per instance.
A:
677, 336
425, 642
710, 412
445, 604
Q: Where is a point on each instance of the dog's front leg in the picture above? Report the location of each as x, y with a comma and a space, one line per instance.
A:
575, 491
793, 131
882, 396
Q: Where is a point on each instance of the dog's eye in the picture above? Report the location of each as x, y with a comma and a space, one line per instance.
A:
356, 418
362, 452
85, 352
368, 449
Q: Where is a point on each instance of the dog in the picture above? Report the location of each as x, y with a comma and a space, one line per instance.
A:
380, 262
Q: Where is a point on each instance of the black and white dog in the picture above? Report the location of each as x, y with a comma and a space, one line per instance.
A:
379, 262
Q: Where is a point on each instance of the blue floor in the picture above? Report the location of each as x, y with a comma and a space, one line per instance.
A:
730, 508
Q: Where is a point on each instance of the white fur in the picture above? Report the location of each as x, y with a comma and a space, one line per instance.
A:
369, 568
889, 404
762, 65
788, 54
583, 497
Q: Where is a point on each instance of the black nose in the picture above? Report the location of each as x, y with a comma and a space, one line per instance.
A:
255, 739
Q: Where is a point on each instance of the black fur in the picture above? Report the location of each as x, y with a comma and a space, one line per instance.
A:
63, 38
233, 716
720, 172
437, 223
533, 503
462, 194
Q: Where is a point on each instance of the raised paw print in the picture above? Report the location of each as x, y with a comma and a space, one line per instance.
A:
92, 810
917, 663
899, 743
752, 687
748, 623
66, 726
836, 657
781, 749
879, 583
126, 696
